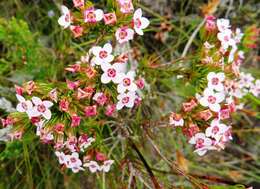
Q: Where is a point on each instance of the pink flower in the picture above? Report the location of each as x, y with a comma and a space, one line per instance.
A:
205, 115
122, 58
210, 23
71, 143
127, 82
110, 109
100, 156
46, 137
23, 105
75, 120
138, 100
90, 72
126, 6
106, 165
90, 111
72, 85
100, 98
86, 93
202, 143
102, 54
111, 73
65, 20
16, 135
126, 100
59, 128
41, 108
216, 129
140, 83
78, 3
224, 114
64, 105
124, 34
93, 166
77, 31
84, 142
110, 18
30, 87
188, 106
140, 22
53, 95
7, 122
176, 119
215, 81
73, 68
18, 90
92, 16
211, 99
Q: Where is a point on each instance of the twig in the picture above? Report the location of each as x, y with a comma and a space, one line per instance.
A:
149, 170
193, 35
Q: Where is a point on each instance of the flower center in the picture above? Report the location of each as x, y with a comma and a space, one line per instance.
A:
215, 130
103, 54
73, 160
41, 108
24, 105
111, 72
67, 17
215, 81
125, 100
126, 82
91, 15
138, 23
122, 34
211, 99
199, 143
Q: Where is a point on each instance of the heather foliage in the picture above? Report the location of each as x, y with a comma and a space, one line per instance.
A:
120, 94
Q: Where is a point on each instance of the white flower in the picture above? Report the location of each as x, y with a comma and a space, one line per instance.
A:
23, 105
74, 162
86, 144
140, 22
126, 99
61, 157
41, 108
124, 34
93, 166
102, 55
215, 81
127, 83
176, 119
216, 129
39, 126
65, 19
207, 45
111, 73
226, 39
246, 80
211, 99
223, 24
238, 35
92, 16
106, 165
255, 89
202, 143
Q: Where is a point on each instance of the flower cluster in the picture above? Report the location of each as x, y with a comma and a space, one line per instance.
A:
206, 118
90, 17
68, 114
